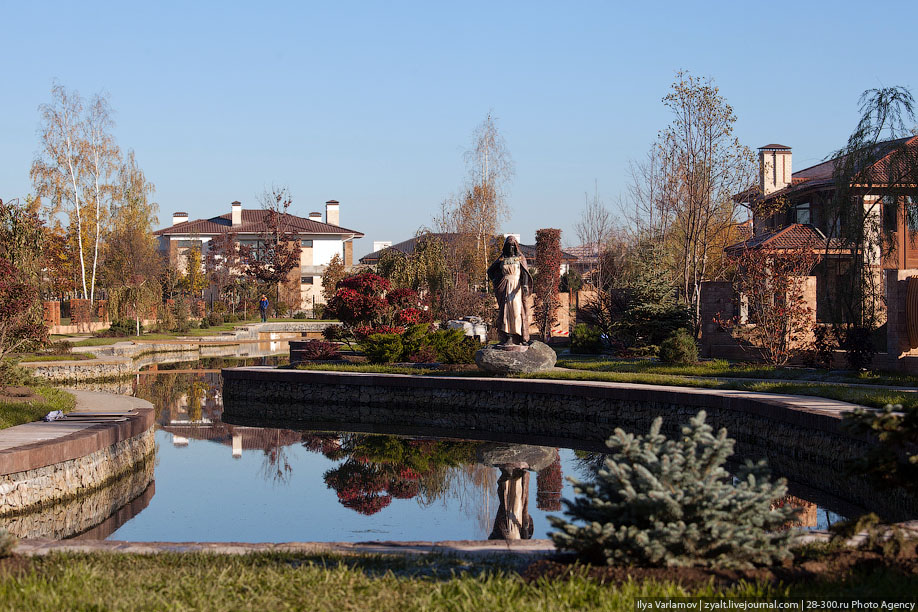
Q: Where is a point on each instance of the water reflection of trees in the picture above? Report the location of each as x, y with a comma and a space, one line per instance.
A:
377, 468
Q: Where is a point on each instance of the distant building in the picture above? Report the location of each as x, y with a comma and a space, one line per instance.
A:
407, 247
319, 240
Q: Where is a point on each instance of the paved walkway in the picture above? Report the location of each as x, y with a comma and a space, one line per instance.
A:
91, 409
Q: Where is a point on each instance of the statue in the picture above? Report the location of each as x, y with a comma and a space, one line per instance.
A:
512, 285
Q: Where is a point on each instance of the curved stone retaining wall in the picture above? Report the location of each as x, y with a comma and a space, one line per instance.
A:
799, 436
45, 471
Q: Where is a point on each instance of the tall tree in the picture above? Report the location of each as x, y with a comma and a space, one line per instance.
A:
335, 271
475, 215
547, 279
74, 170
278, 251
224, 266
876, 189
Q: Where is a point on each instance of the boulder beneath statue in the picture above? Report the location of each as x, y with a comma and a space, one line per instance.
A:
538, 357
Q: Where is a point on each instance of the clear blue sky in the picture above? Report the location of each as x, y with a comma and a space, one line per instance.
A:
374, 103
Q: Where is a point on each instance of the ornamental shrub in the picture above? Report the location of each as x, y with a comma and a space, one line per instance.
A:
679, 348
453, 346
121, 328
586, 339
382, 348
319, 350
661, 502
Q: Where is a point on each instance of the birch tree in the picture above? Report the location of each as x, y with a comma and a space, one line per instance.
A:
702, 165
74, 171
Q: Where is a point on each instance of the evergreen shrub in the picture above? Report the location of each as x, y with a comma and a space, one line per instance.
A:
679, 348
121, 328
382, 348
586, 339
661, 502
453, 346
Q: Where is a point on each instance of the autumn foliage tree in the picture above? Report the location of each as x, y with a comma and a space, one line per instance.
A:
20, 310
547, 279
771, 285
278, 250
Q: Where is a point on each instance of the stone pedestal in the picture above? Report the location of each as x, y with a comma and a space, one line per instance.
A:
538, 357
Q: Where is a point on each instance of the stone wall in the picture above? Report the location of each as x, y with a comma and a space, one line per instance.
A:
807, 444
96, 515
21, 491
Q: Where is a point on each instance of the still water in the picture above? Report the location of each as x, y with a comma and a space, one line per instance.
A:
217, 482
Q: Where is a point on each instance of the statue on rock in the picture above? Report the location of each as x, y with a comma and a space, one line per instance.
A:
512, 283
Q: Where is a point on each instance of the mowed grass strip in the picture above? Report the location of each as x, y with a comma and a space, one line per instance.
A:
16, 413
267, 581
726, 369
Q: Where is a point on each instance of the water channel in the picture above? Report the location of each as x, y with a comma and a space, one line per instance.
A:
213, 481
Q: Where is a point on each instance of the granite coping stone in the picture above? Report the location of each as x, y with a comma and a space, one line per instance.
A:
464, 548
39, 444
823, 414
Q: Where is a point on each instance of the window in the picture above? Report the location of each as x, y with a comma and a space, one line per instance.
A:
306, 243
911, 214
802, 213
188, 244
306, 280
890, 212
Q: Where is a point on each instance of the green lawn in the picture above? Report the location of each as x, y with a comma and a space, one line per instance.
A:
876, 398
64, 357
723, 368
196, 581
17, 413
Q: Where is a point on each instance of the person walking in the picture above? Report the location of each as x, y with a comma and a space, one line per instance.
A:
263, 307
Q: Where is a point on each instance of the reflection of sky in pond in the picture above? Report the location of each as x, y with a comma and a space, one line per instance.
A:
277, 490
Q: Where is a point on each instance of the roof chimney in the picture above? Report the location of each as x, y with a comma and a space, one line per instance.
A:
179, 217
332, 215
315, 216
774, 168
237, 213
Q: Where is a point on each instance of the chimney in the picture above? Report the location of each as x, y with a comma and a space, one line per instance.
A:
379, 245
774, 168
315, 216
179, 217
237, 213
332, 208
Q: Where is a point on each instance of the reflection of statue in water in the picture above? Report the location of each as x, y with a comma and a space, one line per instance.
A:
512, 521
512, 285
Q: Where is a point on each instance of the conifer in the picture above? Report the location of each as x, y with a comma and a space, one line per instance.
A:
662, 502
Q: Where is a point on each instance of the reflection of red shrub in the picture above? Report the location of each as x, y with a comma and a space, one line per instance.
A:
403, 489
368, 505
548, 485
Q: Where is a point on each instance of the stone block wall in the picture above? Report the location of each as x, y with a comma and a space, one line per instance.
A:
808, 444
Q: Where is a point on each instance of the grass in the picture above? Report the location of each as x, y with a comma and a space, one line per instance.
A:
271, 581
64, 357
723, 368
17, 413
874, 398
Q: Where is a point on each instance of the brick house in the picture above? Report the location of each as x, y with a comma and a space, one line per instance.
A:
319, 240
791, 210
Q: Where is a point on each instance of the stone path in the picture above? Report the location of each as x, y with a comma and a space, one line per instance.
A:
91, 409
461, 548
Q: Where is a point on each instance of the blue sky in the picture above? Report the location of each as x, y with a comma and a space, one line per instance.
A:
374, 103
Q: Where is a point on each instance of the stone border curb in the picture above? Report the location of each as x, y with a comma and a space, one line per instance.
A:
61, 441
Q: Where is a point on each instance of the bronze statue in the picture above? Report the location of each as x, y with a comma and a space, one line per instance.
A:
512, 283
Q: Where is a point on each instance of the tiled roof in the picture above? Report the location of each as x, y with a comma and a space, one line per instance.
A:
793, 237
821, 175
253, 222
407, 247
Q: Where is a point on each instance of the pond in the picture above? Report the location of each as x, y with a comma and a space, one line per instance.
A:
217, 482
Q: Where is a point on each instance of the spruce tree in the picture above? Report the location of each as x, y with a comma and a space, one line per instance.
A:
662, 502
